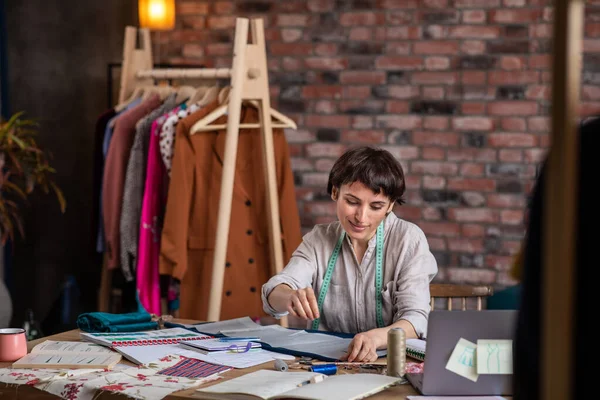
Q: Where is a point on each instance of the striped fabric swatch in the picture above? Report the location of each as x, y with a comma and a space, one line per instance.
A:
191, 368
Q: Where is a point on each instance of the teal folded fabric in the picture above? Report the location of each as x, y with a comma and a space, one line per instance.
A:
107, 322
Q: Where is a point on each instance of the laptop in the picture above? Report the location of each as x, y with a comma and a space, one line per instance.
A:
444, 330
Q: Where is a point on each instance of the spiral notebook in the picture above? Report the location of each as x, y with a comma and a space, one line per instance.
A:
145, 338
415, 348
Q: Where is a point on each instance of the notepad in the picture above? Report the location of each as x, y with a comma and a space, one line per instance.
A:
72, 355
415, 348
271, 385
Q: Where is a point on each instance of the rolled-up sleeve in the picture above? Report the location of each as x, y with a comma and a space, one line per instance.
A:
411, 298
299, 273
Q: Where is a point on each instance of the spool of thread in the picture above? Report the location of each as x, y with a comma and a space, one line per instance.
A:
396, 352
280, 365
325, 369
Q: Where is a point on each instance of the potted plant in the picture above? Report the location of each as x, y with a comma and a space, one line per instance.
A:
23, 167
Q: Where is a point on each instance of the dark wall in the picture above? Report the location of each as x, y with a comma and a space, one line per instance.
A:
58, 53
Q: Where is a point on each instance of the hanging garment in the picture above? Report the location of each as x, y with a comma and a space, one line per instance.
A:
167, 135
153, 205
189, 233
133, 191
114, 174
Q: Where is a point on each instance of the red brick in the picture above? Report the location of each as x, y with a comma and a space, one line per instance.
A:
513, 63
409, 213
513, 108
398, 63
432, 214
498, 200
329, 121
446, 139
545, 141
289, 35
473, 108
397, 107
292, 20
538, 124
590, 92
472, 124
472, 230
219, 49
476, 3
195, 22
221, 22
502, 263
433, 153
356, 92
587, 108
321, 91
399, 121
437, 63
301, 164
513, 124
466, 245
591, 45
540, 31
433, 168
508, 16
478, 185
296, 150
510, 156
474, 17
192, 50
472, 215
330, 63
473, 47
380, 34
435, 123
402, 32
538, 92
470, 276
547, 76
292, 64
429, 47
324, 164
511, 247
535, 156
403, 153
360, 34
402, 17
447, 229
326, 49
436, 32
433, 92
434, 182
318, 179
514, 3
433, 78
473, 77
223, 7
471, 169
320, 5
191, 8
392, 4
540, 61
325, 107
511, 140
296, 49
368, 77
511, 217
364, 136
474, 32
592, 29
436, 244
398, 48
300, 136
513, 77
413, 184
402, 91
361, 18
320, 208
319, 149
362, 122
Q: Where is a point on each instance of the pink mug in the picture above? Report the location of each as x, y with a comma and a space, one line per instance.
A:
13, 344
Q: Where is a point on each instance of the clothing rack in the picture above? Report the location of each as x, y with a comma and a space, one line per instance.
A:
249, 82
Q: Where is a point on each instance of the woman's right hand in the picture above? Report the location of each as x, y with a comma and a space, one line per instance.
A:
302, 303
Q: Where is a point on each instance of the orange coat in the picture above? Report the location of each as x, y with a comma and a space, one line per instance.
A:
189, 232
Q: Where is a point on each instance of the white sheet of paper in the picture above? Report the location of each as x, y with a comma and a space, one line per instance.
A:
494, 357
236, 360
233, 324
463, 360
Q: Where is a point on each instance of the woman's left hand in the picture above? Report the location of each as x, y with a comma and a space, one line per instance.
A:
363, 348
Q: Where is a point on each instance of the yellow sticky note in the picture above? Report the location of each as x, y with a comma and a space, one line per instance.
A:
463, 360
494, 357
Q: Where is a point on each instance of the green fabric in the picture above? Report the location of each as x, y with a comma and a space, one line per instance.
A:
106, 322
506, 299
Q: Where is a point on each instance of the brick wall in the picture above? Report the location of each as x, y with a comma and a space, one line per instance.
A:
458, 90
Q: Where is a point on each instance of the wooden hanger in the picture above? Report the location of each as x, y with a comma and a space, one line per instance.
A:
137, 92
184, 93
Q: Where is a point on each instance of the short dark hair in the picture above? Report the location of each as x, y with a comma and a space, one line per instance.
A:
375, 168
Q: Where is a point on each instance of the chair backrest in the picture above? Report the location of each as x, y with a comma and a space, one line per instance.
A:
463, 292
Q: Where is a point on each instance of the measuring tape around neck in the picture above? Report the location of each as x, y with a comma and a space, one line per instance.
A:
378, 276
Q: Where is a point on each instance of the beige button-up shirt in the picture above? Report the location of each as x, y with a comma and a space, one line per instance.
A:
408, 268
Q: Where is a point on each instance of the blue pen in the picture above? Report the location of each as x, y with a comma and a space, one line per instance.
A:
237, 339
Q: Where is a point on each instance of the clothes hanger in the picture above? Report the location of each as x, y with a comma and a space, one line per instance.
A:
198, 94
137, 92
184, 93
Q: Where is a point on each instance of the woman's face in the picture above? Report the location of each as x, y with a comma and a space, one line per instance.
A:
359, 210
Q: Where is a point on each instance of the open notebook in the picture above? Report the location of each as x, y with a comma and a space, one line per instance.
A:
271, 385
68, 355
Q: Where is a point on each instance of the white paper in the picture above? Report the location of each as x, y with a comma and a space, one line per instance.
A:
463, 359
233, 324
236, 360
218, 345
146, 354
52, 346
494, 357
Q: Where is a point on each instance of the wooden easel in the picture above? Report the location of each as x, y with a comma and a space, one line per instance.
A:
249, 82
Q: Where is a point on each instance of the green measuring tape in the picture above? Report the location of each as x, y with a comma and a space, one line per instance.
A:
378, 276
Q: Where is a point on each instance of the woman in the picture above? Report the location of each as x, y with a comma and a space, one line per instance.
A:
366, 273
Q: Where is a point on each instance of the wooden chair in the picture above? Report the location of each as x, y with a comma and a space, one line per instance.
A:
464, 292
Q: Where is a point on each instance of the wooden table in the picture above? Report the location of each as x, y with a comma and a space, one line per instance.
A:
28, 392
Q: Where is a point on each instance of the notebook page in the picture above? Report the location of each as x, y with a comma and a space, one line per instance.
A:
263, 384
57, 347
233, 324
343, 387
